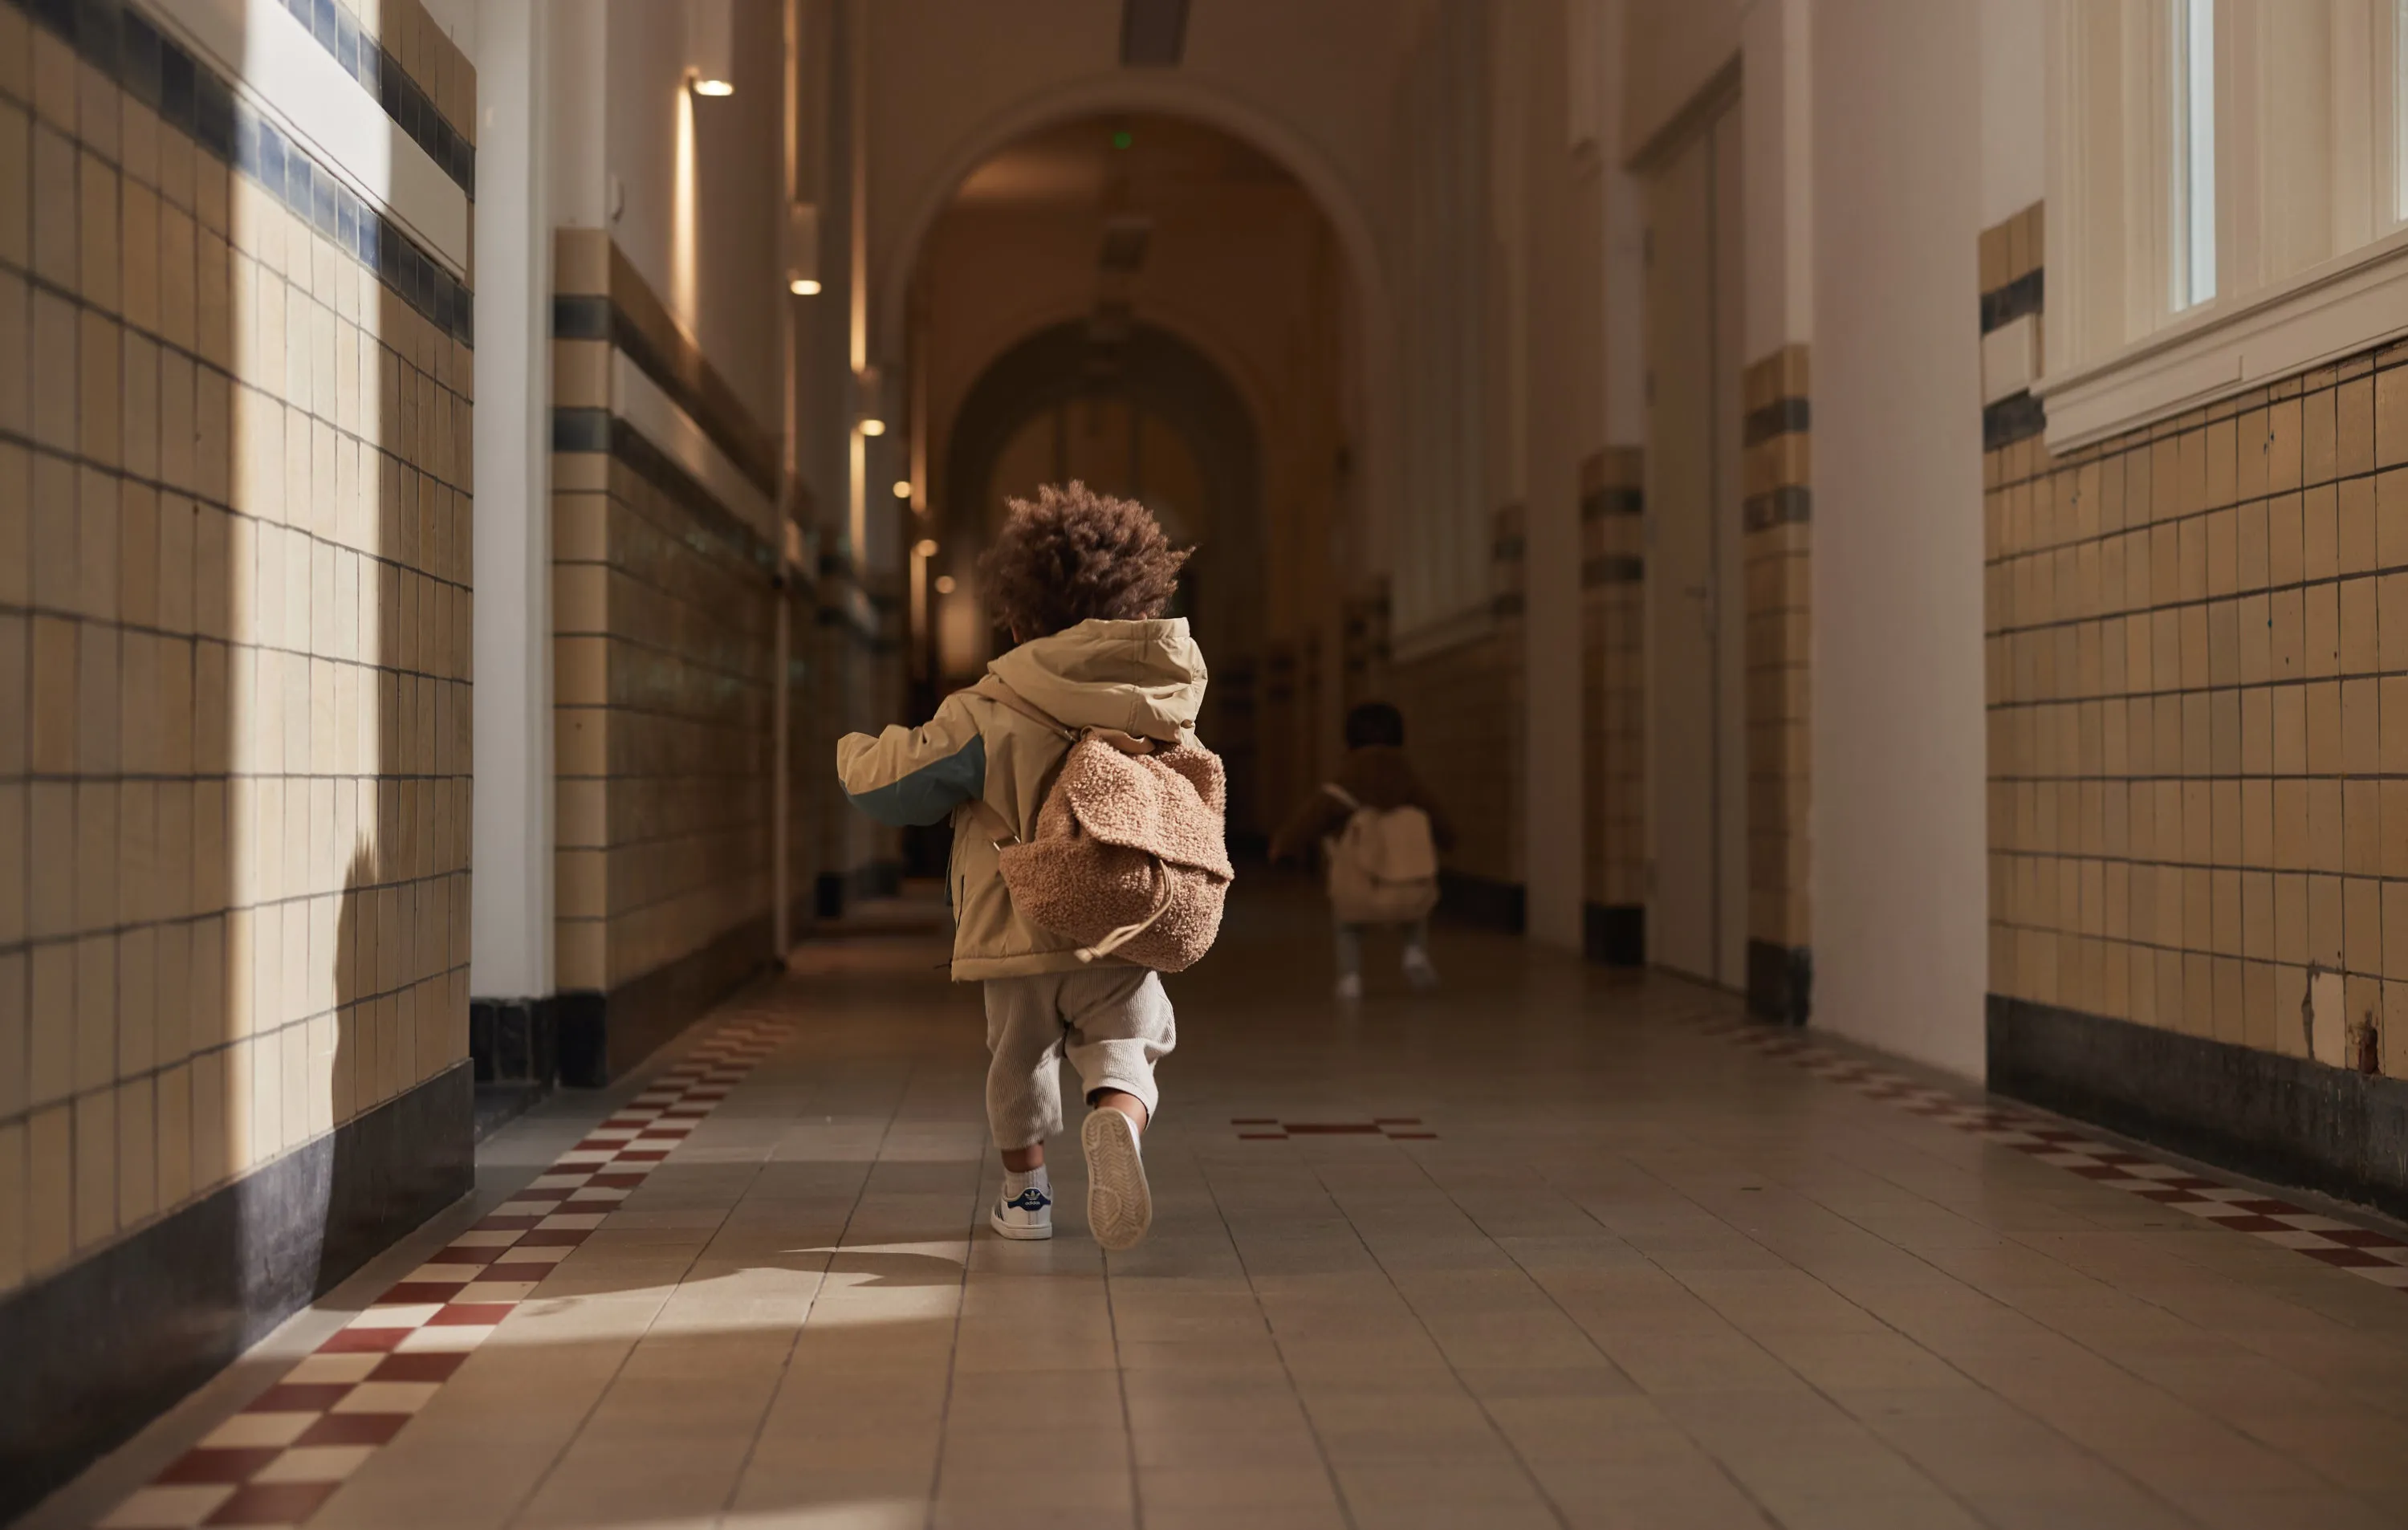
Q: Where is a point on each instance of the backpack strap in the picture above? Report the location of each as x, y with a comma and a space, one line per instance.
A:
1005, 696
1345, 798
1127, 743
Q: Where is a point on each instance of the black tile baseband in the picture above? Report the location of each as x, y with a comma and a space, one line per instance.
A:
1780, 983
2282, 1119
1484, 901
1615, 934
605, 1035
100, 1348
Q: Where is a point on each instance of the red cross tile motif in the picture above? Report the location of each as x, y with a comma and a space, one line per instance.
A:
1271, 1129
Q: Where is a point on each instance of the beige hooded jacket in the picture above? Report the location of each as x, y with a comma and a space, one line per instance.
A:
987, 765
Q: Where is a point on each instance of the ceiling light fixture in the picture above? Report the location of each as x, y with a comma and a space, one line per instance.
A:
925, 547
803, 287
902, 488
873, 427
944, 584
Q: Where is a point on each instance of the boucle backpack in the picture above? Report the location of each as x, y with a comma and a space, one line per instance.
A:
1382, 865
1129, 856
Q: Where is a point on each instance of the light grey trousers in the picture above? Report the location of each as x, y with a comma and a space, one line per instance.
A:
1113, 1023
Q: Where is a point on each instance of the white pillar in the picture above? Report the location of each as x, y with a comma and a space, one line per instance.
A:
511, 854
1900, 871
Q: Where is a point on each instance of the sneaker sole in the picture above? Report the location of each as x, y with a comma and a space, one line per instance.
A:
1120, 1204
1019, 1234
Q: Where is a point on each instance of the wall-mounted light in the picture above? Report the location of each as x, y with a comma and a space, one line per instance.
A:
870, 406
902, 488
711, 46
802, 249
944, 584
925, 547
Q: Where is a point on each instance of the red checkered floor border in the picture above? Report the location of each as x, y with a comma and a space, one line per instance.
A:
278, 1460
2365, 1253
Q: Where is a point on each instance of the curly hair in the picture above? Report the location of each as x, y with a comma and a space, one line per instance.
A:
1073, 555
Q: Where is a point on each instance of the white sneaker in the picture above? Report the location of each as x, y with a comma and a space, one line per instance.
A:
1120, 1204
1350, 988
1027, 1216
1418, 970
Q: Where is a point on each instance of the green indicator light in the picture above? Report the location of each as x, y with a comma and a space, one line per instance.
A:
1124, 139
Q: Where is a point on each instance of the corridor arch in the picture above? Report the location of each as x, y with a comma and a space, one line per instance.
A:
1371, 399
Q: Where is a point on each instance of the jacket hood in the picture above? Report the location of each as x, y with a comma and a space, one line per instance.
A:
1142, 678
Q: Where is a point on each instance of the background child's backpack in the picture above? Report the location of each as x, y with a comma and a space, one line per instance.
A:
1130, 855
1382, 865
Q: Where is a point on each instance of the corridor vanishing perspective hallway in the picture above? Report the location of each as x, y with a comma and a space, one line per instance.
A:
1876, 532
1546, 1248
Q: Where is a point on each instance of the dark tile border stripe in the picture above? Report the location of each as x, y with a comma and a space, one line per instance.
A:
2004, 306
579, 316
1794, 504
600, 431
2280, 1119
193, 97
1612, 568
1781, 417
1616, 500
100, 1348
367, 61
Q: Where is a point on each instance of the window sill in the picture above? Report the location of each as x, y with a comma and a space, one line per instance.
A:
2346, 305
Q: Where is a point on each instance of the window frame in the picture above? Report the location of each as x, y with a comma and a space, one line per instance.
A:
2311, 248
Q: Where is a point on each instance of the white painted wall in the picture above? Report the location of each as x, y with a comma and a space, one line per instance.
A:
1900, 897
703, 183
1560, 237
1776, 124
2014, 107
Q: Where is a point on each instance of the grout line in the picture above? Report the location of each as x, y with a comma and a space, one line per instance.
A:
422, 1330
2369, 1253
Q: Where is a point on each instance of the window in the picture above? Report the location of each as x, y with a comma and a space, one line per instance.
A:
2191, 193
2227, 198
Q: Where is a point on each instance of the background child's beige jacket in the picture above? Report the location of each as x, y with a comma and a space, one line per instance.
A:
987, 765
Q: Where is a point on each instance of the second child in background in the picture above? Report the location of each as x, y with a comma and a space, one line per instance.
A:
1378, 830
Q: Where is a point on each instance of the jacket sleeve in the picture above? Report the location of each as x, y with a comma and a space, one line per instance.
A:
915, 775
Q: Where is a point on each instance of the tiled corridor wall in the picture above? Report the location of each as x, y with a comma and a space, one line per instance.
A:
2197, 658
663, 614
1614, 625
233, 614
1779, 520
